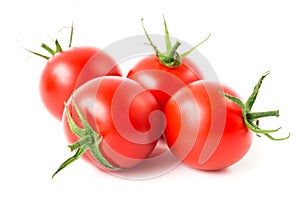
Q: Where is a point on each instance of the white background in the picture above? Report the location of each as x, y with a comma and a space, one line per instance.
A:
248, 38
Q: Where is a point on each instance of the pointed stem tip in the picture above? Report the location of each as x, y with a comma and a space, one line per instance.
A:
88, 140
171, 58
251, 119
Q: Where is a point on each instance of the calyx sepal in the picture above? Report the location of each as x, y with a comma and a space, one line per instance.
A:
50, 50
88, 140
171, 58
251, 119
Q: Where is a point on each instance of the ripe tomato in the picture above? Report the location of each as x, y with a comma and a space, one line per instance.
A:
163, 81
208, 131
192, 113
116, 121
67, 70
165, 73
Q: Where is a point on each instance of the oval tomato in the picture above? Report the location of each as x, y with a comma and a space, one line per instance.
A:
208, 131
123, 122
69, 69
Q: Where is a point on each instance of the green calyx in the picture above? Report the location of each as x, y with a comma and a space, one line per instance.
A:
57, 49
171, 58
88, 140
251, 119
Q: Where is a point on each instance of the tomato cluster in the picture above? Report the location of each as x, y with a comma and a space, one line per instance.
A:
115, 122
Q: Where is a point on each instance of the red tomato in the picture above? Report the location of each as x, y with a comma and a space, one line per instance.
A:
208, 131
161, 80
121, 113
165, 73
205, 130
69, 69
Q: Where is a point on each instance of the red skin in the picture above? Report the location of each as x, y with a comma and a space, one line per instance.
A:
118, 109
204, 129
67, 70
161, 80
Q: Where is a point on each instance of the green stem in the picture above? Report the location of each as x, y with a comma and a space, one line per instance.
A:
88, 140
171, 58
254, 94
58, 47
249, 117
192, 49
72, 125
171, 52
99, 157
253, 127
81, 142
277, 139
37, 54
47, 48
71, 35
78, 154
234, 99
149, 39
167, 36
257, 115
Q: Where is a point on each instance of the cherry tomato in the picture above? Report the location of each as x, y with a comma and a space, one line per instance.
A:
163, 81
113, 122
67, 70
208, 131
165, 73
198, 108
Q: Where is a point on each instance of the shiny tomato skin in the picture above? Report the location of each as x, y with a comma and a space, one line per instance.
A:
204, 129
162, 80
69, 69
110, 104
